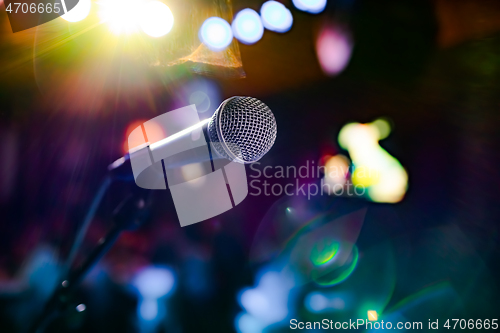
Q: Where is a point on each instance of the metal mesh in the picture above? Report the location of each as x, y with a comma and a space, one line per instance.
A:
243, 128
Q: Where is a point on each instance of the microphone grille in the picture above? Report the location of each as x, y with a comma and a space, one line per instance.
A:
242, 129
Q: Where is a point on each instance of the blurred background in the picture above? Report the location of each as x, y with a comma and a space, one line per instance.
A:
422, 243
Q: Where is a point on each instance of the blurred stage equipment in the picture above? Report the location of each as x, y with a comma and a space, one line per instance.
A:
232, 131
129, 215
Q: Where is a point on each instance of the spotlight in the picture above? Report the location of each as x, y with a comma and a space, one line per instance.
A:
79, 12
120, 15
276, 17
311, 6
216, 33
156, 19
247, 26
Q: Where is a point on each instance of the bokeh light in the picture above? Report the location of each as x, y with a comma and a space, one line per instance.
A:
79, 12
266, 303
381, 174
216, 33
276, 17
311, 6
333, 48
156, 19
321, 302
336, 171
154, 282
247, 26
155, 133
153, 285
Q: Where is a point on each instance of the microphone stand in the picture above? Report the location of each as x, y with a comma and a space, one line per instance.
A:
129, 215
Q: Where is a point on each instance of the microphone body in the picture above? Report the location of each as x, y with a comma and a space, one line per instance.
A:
205, 177
226, 130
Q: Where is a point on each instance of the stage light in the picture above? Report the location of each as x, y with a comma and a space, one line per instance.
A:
276, 17
79, 12
311, 6
156, 19
216, 33
120, 15
247, 26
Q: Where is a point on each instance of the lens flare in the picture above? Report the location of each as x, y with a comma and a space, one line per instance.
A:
156, 19
216, 33
247, 26
79, 12
323, 253
276, 17
339, 272
120, 15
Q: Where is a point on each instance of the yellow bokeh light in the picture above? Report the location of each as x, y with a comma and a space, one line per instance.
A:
374, 168
365, 176
156, 19
120, 15
79, 12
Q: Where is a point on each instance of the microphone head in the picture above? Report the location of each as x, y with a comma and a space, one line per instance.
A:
243, 129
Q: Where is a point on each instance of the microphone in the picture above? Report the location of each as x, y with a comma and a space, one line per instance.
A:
242, 129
